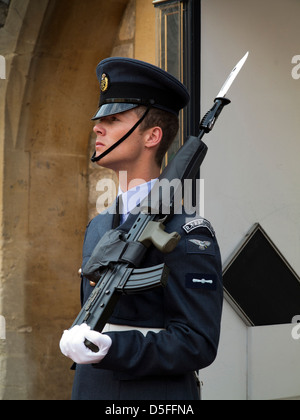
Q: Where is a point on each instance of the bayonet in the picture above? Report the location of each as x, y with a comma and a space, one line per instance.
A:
232, 77
211, 117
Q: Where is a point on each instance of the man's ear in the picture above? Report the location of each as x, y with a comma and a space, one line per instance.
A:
153, 137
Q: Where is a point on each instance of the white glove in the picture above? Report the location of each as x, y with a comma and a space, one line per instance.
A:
72, 344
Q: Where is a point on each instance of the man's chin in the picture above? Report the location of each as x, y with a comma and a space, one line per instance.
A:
104, 162
98, 153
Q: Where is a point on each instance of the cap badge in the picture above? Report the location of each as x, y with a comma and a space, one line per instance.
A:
104, 83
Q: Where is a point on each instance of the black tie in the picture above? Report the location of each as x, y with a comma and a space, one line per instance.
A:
118, 212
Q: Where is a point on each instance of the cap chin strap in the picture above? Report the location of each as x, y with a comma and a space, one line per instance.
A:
96, 159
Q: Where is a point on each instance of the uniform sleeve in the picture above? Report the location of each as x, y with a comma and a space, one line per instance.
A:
192, 311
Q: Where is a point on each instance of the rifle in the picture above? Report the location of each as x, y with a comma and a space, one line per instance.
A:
114, 263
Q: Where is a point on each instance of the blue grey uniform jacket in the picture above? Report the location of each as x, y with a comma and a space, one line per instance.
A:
160, 366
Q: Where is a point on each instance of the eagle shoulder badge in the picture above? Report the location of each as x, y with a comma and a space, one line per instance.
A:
198, 244
201, 244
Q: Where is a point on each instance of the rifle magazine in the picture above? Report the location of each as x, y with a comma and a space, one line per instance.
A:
143, 279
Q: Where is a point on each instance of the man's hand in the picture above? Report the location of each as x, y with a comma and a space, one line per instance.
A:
72, 344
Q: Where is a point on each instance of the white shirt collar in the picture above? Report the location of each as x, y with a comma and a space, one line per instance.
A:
133, 197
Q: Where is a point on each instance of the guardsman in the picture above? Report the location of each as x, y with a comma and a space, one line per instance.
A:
154, 341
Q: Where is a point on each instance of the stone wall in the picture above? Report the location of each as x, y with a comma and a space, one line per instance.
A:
51, 49
48, 186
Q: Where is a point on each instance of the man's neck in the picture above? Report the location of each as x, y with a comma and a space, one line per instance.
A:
128, 181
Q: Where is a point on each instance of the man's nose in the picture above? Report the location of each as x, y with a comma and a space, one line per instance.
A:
99, 129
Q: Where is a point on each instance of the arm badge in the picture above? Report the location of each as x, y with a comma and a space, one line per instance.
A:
198, 223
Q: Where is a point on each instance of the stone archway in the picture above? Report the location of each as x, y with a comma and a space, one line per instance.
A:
51, 94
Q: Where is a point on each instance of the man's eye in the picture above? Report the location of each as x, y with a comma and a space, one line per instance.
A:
108, 119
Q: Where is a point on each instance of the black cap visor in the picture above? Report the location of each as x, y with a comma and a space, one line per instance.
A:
112, 109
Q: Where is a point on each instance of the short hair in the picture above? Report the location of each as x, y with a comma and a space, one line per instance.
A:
168, 122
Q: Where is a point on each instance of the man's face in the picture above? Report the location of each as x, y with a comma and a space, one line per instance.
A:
112, 128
